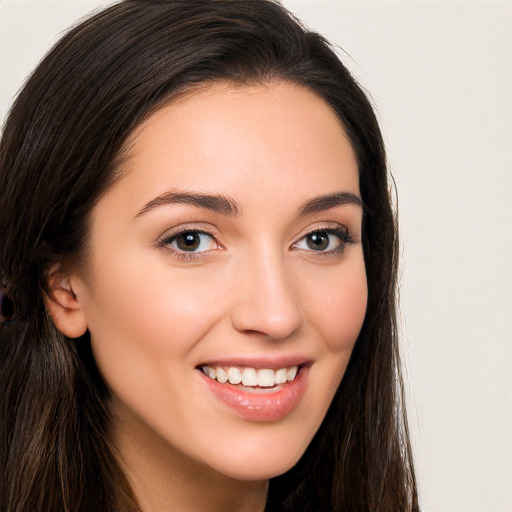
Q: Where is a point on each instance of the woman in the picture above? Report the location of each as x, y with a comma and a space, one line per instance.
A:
201, 252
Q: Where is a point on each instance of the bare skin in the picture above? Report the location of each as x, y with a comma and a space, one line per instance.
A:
266, 273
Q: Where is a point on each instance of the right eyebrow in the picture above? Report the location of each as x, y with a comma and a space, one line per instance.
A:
217, 203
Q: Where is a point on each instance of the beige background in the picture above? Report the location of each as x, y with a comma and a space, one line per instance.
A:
440, 73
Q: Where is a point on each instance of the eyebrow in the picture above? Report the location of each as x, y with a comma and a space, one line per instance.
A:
214, 202
322, 203
228, 206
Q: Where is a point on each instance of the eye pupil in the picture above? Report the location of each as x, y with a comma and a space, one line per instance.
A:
188, 241
318, 241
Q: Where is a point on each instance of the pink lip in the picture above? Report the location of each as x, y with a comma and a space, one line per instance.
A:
261, 407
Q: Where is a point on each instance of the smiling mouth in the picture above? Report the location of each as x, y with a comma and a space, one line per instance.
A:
251, 378
258, 393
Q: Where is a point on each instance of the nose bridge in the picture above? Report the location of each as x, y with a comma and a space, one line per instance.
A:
267, 300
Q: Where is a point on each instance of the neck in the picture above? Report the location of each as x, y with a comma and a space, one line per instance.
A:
164, 479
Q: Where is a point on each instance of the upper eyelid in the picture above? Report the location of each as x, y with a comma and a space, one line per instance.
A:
347, 239
176, 231
330, 231
165, 242
326, 226
335, 227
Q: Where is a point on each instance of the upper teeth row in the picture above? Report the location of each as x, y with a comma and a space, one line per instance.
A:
263, 377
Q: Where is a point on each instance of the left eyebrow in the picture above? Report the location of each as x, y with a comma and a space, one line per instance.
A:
321, 203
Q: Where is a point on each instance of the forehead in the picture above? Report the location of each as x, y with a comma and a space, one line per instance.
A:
233, 139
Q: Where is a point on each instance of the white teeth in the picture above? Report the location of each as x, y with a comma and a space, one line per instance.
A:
222, 376
280, 376
266, 378
234, 375
291, 373
250, 377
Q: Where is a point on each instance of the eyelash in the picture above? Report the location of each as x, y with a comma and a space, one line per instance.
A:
186, 255
342, 233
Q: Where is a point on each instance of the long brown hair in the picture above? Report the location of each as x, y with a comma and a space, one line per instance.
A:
61, 149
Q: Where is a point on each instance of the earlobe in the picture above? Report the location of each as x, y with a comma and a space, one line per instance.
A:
64, 306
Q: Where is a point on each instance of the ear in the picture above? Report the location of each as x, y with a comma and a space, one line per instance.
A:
63, 304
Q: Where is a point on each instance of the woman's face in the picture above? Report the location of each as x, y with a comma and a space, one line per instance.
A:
230, 249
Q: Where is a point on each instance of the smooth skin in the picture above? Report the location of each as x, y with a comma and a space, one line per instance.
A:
171, 285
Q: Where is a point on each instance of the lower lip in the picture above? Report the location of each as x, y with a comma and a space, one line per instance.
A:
261, 406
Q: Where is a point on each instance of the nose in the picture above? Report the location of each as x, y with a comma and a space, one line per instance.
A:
267, 302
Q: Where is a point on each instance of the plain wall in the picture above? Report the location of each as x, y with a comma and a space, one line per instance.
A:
440, 74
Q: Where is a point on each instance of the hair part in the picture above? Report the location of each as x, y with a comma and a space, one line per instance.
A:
63, 147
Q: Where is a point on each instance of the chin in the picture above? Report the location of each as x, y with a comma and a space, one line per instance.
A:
257, 462
252, 472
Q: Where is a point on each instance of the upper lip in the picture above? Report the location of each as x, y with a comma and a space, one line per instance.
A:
270, 362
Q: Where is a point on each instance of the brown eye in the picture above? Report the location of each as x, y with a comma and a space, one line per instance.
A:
192, 241
188, 241
318, 241
327, 241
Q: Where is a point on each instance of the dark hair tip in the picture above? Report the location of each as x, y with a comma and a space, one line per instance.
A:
6, 306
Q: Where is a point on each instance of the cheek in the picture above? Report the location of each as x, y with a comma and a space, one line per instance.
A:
145, 324
150, 309
338, 306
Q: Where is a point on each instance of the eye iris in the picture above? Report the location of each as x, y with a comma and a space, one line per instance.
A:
318, 241
188, 241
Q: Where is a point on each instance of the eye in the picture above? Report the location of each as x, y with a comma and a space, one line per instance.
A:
191, 242
324, 240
